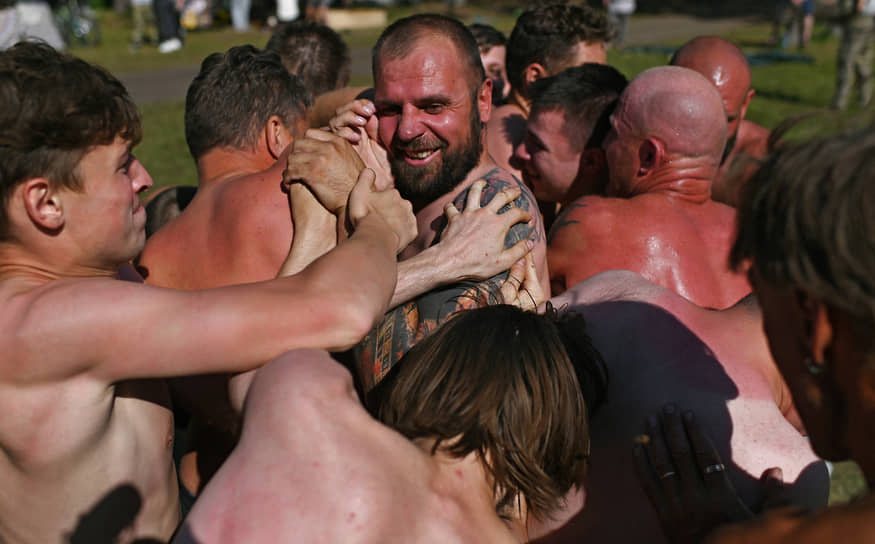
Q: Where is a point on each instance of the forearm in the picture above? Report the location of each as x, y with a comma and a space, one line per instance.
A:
420, 274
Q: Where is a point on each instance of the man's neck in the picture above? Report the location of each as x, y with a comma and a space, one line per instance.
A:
685, 178
428, 217
33, 266
218, 165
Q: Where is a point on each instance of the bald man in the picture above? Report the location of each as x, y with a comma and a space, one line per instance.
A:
660, 348
726, 66
663, 150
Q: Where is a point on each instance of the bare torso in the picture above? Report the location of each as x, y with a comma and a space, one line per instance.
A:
81, 459
659, 348
337, 475
680, 245
751, 146
408, 323
233, 231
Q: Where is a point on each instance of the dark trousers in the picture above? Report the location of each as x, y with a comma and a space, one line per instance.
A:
167, 18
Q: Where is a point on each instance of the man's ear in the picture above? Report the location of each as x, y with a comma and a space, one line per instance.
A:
276, 136
43, 204
650, 155
484, 100
533, 72
817, 325
745, 104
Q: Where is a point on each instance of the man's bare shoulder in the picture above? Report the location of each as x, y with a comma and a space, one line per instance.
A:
588, 215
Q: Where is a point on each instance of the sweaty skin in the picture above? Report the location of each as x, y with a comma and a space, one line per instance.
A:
336, 474
660, 348
507, 126
424, 98
659, 220
88, 455
727, 68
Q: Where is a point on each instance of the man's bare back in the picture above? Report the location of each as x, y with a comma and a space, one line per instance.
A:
660, 348
337, 475
682, 246
235, 231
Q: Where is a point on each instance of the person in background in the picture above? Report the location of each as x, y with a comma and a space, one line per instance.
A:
619, 12
856, 53
493, 49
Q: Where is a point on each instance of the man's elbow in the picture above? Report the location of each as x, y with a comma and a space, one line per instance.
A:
357, 314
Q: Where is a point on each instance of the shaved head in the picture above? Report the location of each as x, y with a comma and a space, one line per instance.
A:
726, 66
678, 107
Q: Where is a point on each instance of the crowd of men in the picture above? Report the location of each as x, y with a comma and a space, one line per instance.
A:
559, 307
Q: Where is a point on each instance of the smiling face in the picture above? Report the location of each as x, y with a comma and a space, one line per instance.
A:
106, 217
430, 123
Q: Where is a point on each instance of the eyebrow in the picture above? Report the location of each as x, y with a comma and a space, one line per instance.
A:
535, 137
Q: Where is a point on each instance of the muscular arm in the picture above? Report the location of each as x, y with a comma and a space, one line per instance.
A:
408, 323
117, 330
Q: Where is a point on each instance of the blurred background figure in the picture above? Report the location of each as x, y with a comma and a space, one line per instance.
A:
493, 49
240, 15
316, 10
313, 52
145, 30
855, 53
169, 30
618, 16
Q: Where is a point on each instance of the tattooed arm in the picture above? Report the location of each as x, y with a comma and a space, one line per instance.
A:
405, 325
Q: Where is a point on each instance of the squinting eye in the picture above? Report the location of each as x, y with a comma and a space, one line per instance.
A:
434, 109
387, 112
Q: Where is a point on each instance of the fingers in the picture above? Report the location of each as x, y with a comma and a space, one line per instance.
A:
451, 212
503, 198
474, 194
510, 287
678, 443
657, 452
532, 285
774, 491
707, 458
648, 477
351, 117
515, 253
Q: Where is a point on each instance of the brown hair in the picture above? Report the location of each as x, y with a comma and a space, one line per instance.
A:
806, 220
55, 109
509, 385
401, 36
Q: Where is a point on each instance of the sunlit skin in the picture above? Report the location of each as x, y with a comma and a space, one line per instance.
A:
507, 128
662, 152
726, 67
661, 348
549, 163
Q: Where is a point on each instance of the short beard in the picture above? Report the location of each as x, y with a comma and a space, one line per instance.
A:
423, 184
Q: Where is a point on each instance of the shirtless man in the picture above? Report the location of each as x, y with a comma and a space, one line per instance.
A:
667, 134
815, 285
424, 133
660, 348
726, 66
434, 468
238, 228
89, 440
544, 41
561, 156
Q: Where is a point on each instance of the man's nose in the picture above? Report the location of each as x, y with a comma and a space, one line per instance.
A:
410, 125
140, 178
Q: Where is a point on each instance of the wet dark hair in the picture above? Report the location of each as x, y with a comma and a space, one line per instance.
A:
515, 387
314, 52
548, 35
402, 35
55, 108
586, 95
235, 94
486, 36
